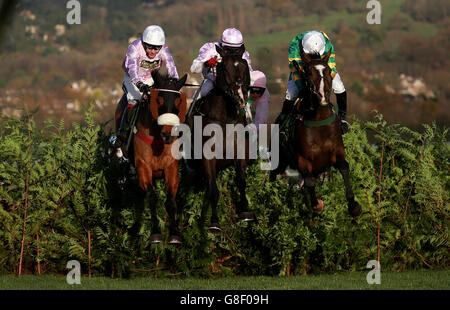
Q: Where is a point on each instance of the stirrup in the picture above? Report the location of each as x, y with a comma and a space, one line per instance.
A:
300, 182
112, 140
116, 146
119, 153
345, 126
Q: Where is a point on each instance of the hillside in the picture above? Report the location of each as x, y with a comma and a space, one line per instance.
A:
389, 67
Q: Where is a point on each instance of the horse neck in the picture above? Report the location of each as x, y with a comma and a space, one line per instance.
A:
145, 120
220, 106
323, 112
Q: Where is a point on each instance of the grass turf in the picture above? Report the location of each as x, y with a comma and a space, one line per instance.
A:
426, 279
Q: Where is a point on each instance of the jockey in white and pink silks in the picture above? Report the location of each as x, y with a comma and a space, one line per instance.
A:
208, 58
259, 98
144, 55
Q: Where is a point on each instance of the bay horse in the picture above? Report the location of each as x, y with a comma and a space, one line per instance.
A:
317, 138
162, 109
222, 106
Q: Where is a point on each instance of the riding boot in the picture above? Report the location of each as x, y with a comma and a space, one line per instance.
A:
123, 125
282, 120
123, 132
120, 139
288, 105
342, 105
125, 122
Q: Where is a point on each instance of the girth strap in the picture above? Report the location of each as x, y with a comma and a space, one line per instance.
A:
324, 122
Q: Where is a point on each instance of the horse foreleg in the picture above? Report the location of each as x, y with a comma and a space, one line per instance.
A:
171, 178
310, 184
242, 206
212, 194
282, 165
353, 207
155, 236
145, 175
213, 198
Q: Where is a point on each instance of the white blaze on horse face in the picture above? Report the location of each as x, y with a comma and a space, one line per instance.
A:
320, 68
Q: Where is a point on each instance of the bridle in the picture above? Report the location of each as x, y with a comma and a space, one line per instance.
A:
235, 93
168, 90
311, 87
143, 100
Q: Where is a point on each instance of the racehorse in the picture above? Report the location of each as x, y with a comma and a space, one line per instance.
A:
222, 106
316, 141
162, 109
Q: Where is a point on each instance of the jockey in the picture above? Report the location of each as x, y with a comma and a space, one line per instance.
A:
208, 57
313, 42
259, 98
144, 55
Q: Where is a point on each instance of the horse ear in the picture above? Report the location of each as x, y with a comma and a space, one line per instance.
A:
181, 106
219, 50
180, 82
305, 57
241, 50
327, 56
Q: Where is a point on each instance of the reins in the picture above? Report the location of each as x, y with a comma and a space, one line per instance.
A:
335, 108
140, 135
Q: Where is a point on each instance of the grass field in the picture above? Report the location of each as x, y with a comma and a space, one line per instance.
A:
427, 280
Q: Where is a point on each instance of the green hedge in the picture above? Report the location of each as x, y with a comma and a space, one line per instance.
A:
63, 198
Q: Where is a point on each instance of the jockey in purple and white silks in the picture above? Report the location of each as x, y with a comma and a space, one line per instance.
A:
144, 55
208, 57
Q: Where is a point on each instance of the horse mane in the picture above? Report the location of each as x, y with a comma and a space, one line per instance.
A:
165, 78
315, 56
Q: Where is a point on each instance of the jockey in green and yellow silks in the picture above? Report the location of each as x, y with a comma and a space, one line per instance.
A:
313, 43
314, 38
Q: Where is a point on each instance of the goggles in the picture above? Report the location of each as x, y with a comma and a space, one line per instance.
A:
152, 47
257, 90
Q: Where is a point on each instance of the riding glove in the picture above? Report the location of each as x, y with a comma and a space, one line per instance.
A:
212, 62
143, 88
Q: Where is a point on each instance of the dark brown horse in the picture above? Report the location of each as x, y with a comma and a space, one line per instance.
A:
317, 139
163, 109
222, 106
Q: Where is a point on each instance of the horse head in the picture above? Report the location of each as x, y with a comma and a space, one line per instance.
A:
233, 75
167, 103
317, 76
